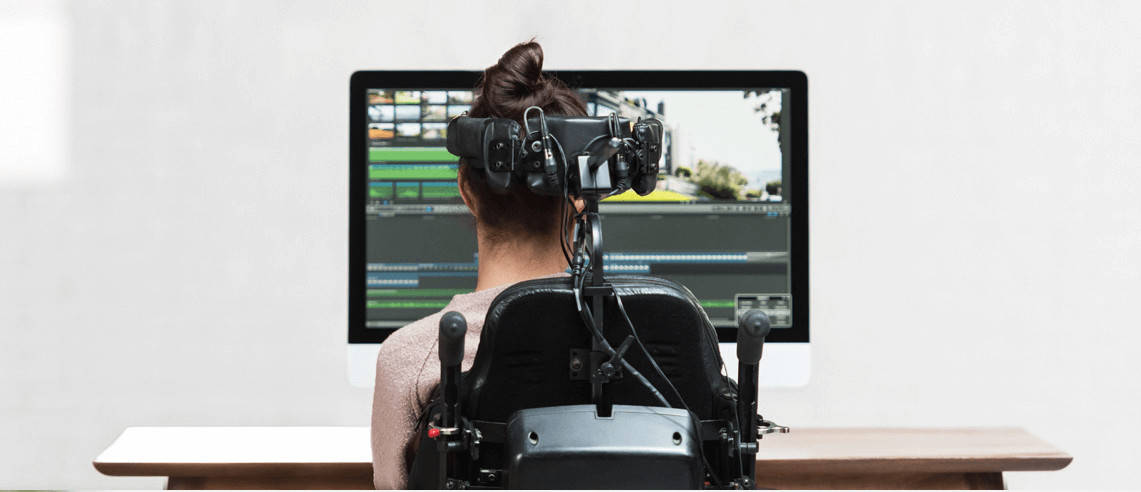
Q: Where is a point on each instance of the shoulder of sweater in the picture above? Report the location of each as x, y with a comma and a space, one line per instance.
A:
412, 341
418, 338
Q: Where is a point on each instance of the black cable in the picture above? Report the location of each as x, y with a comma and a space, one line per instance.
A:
740, 432
595, 139
563, 232
662, 374
567, 245
563, 206
588, 319
653, 362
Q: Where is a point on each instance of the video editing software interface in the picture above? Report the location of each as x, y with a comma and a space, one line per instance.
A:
718, 222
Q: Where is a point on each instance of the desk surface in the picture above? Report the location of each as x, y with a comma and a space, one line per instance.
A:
237, 451
862, 450
329, 451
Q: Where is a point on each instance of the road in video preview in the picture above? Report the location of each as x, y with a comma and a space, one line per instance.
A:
717, 223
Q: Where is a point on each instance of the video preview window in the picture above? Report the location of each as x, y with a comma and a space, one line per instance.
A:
719, 145
413, 118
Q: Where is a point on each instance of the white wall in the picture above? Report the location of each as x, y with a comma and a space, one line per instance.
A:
973, 164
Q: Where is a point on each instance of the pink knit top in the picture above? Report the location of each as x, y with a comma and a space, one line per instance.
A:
407, 371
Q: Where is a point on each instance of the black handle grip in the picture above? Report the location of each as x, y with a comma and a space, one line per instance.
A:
453, 328
752, 328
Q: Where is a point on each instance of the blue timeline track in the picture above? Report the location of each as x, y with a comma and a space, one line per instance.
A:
409, 274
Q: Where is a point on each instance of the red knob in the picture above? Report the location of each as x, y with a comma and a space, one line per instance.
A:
433, 433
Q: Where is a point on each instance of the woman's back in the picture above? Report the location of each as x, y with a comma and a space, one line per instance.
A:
519, 236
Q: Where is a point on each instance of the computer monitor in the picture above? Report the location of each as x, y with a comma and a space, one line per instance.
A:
729, 217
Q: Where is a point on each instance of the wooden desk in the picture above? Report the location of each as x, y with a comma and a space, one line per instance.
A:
339, 457
973, 458
243, 457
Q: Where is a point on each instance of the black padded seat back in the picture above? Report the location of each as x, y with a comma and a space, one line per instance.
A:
523, 359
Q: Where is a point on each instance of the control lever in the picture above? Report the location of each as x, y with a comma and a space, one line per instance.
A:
453, 329
752, 328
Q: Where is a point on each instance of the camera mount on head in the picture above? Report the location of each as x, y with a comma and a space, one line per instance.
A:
589, 158
574, 156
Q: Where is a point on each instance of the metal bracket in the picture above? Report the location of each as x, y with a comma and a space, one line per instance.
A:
770, 427
597, 180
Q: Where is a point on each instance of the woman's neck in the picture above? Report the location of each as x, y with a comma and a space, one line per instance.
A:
502, 263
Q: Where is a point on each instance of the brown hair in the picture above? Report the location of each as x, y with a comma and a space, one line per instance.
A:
505, 90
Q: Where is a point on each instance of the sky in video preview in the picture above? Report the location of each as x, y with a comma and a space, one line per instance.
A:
721, 126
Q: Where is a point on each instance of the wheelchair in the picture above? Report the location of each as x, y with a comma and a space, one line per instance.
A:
589, 380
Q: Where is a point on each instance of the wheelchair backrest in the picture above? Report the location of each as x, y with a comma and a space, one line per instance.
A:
533, 333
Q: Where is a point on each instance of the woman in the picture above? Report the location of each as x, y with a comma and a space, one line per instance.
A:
518, 235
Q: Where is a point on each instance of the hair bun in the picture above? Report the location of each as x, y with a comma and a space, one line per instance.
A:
523, 66
517, 82
517, 76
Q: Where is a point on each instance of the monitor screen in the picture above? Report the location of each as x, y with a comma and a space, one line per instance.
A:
719, 222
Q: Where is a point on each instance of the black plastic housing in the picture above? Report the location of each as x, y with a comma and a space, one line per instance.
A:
570, 447
508, 152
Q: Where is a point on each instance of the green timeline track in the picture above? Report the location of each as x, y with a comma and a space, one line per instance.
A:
424, 171
410, 154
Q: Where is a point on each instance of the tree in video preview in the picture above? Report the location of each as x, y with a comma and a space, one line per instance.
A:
720, 146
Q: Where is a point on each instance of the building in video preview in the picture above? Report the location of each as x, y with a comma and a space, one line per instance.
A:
670, 188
